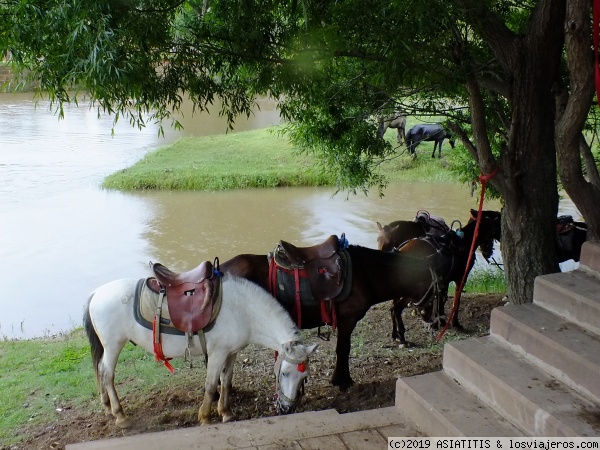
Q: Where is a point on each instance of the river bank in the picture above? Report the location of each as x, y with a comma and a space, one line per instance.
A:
254, 159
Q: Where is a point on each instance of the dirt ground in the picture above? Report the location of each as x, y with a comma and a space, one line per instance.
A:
375, 364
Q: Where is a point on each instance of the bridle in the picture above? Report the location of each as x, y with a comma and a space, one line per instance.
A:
302, 366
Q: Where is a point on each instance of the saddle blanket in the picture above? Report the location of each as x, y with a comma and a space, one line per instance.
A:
286, 284
145, 303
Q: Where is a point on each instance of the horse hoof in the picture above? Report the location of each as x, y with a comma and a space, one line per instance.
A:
228, 418
402, 345
124, 423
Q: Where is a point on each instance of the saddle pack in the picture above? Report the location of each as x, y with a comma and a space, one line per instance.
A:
310, 276
433, 225
565, 233
193, 301
564, 224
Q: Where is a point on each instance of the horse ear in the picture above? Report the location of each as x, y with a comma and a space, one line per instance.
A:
379, 227
393, 230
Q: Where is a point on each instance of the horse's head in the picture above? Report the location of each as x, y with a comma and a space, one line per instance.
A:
385, 237
486, 236
496, 220
291, 371
451, 139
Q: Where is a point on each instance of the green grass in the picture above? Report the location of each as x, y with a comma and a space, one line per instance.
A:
40, 378
488, 280
258, 158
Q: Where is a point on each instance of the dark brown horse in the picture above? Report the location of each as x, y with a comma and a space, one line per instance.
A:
448, 257
376, 277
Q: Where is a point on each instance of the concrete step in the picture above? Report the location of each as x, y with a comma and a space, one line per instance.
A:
315, 429
590, 257
440, 406
559, 347
532, 400
573, 295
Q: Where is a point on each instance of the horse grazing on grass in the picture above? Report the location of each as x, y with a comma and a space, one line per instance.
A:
570, 235
395, 120
428, 132
448, 257
247, 315
375, 277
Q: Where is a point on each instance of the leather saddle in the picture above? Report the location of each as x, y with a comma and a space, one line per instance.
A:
324, 265
193, 297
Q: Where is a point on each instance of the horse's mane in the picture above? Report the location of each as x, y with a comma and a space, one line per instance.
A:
266, 305
370, 255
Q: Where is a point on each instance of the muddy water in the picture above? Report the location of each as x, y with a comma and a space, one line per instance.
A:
62, 236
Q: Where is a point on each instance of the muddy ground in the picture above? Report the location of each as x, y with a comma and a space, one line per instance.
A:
376, 362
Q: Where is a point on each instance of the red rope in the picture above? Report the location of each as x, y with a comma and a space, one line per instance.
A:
483, 179
596, 31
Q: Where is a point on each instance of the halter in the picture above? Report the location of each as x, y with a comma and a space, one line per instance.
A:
302, 366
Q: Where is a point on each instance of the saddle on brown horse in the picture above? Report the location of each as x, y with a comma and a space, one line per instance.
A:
309, 275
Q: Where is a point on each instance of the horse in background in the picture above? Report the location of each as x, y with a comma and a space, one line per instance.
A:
447, 255
395, 120
396, 233
570, 234
428, 132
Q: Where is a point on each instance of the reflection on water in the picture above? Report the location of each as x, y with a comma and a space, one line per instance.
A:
62, 236
188, 227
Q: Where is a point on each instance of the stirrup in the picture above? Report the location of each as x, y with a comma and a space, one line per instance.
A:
327, 335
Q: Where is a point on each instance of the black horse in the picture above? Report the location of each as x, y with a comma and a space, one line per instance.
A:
570, 234
449, 258
428, 132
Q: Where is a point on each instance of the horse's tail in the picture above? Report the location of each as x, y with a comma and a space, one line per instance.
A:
96, 347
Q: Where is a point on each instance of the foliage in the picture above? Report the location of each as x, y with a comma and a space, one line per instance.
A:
510, 79
332, 69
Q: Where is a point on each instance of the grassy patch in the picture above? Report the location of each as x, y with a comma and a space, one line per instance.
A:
488, 280
42, 378
254, 159
258, 158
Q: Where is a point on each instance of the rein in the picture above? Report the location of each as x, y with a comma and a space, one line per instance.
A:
483, 179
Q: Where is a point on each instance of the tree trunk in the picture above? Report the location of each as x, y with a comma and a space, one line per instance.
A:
530, 194
573, 108
527, 165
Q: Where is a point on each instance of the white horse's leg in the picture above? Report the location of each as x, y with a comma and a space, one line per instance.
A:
216, 362
224, 407
107, 379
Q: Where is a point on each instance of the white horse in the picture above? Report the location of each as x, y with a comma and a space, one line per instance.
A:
248, 315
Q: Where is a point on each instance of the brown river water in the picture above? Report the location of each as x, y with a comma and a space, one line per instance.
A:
61, 235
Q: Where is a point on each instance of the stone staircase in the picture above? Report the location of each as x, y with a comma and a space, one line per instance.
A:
536, 374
